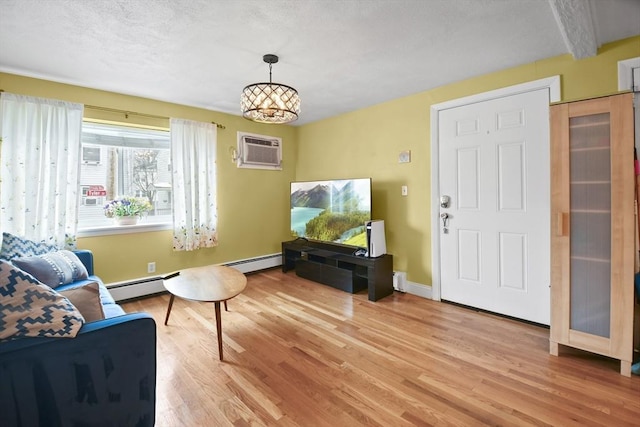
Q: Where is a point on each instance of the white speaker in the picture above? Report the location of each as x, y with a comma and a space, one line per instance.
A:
376, 242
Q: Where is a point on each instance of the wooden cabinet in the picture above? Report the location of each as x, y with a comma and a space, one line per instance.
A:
592, 227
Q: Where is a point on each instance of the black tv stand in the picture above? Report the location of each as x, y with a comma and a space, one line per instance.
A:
336, 265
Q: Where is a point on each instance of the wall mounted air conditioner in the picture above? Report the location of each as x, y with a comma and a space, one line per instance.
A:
258, 151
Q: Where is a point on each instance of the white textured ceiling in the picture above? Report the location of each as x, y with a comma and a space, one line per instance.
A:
341, 55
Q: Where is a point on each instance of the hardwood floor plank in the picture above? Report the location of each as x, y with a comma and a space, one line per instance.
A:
298, 353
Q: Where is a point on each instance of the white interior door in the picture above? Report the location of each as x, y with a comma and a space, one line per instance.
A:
494, 166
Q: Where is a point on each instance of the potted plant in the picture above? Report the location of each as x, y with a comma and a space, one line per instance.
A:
126, 210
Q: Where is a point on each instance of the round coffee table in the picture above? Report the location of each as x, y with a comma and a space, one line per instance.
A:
211, 283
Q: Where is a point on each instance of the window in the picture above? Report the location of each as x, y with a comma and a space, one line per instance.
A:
91, 154
123, 161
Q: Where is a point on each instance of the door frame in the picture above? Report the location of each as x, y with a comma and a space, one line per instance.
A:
552, 84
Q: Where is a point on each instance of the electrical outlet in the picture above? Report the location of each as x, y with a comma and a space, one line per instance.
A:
405, 190
151, 267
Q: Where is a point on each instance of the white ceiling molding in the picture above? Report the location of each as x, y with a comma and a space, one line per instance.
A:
629, 74
576, 24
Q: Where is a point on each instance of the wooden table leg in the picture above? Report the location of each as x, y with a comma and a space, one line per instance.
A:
166, 319
225, 306
218, 327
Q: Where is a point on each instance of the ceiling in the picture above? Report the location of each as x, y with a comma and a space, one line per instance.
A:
341, 55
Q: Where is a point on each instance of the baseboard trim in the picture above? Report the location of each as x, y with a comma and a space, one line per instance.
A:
250, 265
153, 285
418, 289
134, 289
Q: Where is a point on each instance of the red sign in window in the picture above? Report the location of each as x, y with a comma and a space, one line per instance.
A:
96, 190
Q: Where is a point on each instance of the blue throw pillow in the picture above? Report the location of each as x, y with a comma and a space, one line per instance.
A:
53, 268
15, 246
30, 309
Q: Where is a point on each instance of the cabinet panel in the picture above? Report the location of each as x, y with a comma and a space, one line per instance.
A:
589, 195
591, 296
591, 166
590, 171
590, 130
591, 236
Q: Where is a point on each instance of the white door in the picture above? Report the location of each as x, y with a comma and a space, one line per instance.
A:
494, 166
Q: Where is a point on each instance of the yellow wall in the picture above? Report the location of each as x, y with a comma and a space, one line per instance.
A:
254, 204
366, 143
253, 216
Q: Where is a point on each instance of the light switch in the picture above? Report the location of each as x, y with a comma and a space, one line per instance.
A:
405, 190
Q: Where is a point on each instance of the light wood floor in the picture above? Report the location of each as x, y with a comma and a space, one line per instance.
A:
298, 353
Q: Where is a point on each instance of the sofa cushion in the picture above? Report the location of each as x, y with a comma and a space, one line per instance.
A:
53, 268
30, 309
86, 298
16, 246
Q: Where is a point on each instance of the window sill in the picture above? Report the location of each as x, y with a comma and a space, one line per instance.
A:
123, 229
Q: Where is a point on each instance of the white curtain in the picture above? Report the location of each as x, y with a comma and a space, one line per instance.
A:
41, 140
193, 171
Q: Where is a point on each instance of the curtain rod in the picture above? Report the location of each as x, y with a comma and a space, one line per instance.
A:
133, 113
127, 113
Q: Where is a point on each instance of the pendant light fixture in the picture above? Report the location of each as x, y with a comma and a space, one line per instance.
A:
270, 102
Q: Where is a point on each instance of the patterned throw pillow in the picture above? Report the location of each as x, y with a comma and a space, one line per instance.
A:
15, 246
30, 309
53, 268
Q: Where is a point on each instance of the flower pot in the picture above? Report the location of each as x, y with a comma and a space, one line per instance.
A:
126, 220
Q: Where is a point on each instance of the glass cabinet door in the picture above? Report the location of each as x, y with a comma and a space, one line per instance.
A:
590, 210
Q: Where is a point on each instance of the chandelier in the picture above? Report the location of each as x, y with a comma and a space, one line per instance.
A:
270, 102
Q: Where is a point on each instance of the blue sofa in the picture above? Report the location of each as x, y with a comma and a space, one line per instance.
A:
105, 376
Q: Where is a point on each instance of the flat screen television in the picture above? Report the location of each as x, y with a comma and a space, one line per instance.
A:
331, 211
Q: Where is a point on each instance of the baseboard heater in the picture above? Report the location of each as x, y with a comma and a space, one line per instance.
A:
152, 285
250, 265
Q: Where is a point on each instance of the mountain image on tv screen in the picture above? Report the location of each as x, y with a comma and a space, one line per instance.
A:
333, 211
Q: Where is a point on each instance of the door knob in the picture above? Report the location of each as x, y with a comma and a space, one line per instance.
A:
445, 219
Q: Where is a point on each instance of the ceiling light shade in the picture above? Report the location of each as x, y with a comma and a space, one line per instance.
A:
270, 102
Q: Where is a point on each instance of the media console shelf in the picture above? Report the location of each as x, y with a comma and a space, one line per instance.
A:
335, 265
